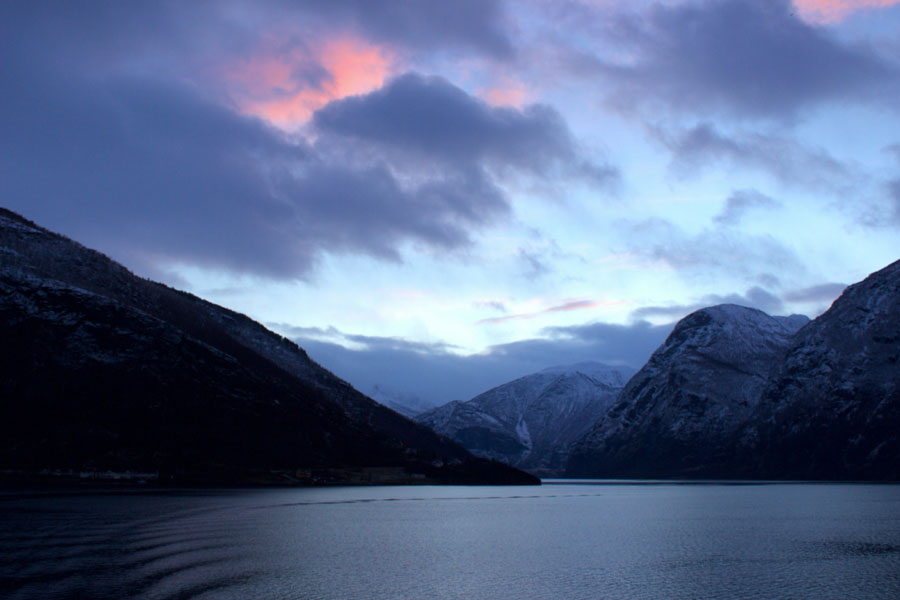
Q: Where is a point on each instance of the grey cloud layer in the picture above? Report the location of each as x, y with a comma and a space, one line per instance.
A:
153, 170
755, 297
476, 24
745, 57
739, 202
824, 292
436, 375
417, 115
893, 187
786, 160
711, 252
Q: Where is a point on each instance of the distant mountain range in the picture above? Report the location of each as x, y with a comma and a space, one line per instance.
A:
732, 393
530, 422
736, 393
103, 371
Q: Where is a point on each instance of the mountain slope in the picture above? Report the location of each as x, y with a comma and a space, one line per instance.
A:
832, 408
734, 393
679, 414
104, 370
408, 405
530, 422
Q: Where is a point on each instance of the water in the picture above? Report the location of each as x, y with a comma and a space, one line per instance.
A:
557, 541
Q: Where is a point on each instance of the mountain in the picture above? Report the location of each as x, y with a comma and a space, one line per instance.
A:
530, 422
102, 370
832, 408
680, 412
736, 393
408, 405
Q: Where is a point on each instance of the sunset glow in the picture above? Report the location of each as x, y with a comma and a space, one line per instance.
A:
566, 306
507, 93
286, 88
835, 11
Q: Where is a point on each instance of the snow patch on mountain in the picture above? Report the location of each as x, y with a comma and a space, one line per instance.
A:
694, 393
736, 393
531, 421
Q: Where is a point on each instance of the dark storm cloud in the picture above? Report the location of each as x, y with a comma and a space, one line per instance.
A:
786, 160
130, 164
123, 164
739, 202
416, 115
156, 170
478, 26
435, 375
746, 57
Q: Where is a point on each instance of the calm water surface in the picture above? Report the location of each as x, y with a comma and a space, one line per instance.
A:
557, 541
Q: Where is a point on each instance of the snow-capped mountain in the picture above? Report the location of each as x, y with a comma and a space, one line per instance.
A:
736, 393
684, 406
530, 422
100, 369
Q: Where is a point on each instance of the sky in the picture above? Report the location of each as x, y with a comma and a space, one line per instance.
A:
437, 197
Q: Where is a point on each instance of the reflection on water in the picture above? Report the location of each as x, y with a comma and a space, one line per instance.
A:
559, 541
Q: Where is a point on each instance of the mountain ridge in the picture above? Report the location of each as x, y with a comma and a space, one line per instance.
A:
529, 422
736, 393
79, 326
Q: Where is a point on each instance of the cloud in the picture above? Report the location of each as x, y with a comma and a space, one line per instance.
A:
102, 140
893, 188
755, 297
494, 305
475, 25
711, 253
534, 266
132, 165
506, 92
416, 115
750, 58
569, 305
786, 160
287, 85
739, 202
835, 11
436, 375
825, 292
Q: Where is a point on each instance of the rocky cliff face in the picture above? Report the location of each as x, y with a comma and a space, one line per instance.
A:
832, 408
679, 413
530, 422
736, 393
100, 369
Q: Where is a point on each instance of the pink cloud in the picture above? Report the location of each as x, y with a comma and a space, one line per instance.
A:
507, 92
835, 11
569, 305
276, 84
